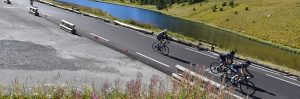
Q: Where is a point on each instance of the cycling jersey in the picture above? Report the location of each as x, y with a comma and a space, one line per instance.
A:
162, 36
224, 56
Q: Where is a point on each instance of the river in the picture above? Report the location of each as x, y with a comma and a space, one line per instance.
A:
224, 39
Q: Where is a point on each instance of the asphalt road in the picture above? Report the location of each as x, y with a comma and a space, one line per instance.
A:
35, 51
270, 84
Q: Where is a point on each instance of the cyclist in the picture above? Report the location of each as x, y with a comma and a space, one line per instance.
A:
226, 59
161, 37
31, 2
239, 70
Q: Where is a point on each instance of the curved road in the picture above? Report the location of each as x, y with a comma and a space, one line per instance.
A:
270, 84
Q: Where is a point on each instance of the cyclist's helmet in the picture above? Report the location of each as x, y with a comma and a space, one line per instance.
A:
247, 63
232, 53
165, 31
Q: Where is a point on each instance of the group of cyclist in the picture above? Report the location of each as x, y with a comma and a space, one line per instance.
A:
239, 69
226, 60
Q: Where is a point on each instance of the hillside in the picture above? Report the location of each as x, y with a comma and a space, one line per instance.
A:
277, 21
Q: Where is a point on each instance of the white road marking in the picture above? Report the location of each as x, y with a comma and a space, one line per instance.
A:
272, 71
283, 80
99, 37
8, 7
208, 70
201, 52
153, 59
254, 65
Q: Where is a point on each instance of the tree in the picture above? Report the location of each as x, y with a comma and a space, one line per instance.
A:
161, 4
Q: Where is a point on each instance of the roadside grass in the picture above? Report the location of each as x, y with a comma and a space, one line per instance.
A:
90, 10
156, 88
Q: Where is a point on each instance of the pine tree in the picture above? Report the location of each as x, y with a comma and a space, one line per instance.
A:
161, 4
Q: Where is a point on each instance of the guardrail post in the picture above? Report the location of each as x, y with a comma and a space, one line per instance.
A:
181, 71
67, 26
34, 11
213, 47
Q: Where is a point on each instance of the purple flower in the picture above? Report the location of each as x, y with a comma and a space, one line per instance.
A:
94, 95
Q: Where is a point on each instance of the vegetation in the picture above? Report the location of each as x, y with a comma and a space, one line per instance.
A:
260, 22
139, 24
133, 89
93, 11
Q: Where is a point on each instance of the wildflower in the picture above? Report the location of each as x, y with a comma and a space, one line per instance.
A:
94, 95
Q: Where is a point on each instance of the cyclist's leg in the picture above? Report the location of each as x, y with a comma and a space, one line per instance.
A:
235, 71
222, 62
240, 71
159, 45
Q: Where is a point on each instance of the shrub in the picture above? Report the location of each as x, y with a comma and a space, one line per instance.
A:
221, 9
246, 8
224, 3
214, 8
235, 12
183, 4
231, 3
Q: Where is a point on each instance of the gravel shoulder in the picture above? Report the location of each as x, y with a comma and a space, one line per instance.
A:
33, 50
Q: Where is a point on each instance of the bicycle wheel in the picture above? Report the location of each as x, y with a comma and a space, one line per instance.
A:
225, 79
155, 46
214, 67
247, 88
165, 50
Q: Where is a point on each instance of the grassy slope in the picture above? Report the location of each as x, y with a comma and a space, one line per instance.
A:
283, 26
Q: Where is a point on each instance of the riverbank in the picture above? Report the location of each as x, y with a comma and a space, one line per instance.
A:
242, 33
249, 27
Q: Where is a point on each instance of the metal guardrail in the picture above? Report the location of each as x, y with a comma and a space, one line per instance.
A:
34, 11
67, 26
181, 71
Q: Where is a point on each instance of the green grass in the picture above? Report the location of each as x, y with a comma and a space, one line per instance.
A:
93, 11
280, 30
155, 88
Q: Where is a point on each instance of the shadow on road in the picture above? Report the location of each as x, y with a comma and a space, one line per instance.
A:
178, 59
264, 91
257, 90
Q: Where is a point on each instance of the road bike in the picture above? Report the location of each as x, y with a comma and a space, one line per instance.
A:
246, 86
216, 67
161, 47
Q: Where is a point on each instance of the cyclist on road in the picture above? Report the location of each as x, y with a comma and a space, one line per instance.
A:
226, 59
239, 70
161, 37
31, 2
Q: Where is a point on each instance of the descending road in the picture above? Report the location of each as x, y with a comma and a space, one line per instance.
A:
35, 51
270, 84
